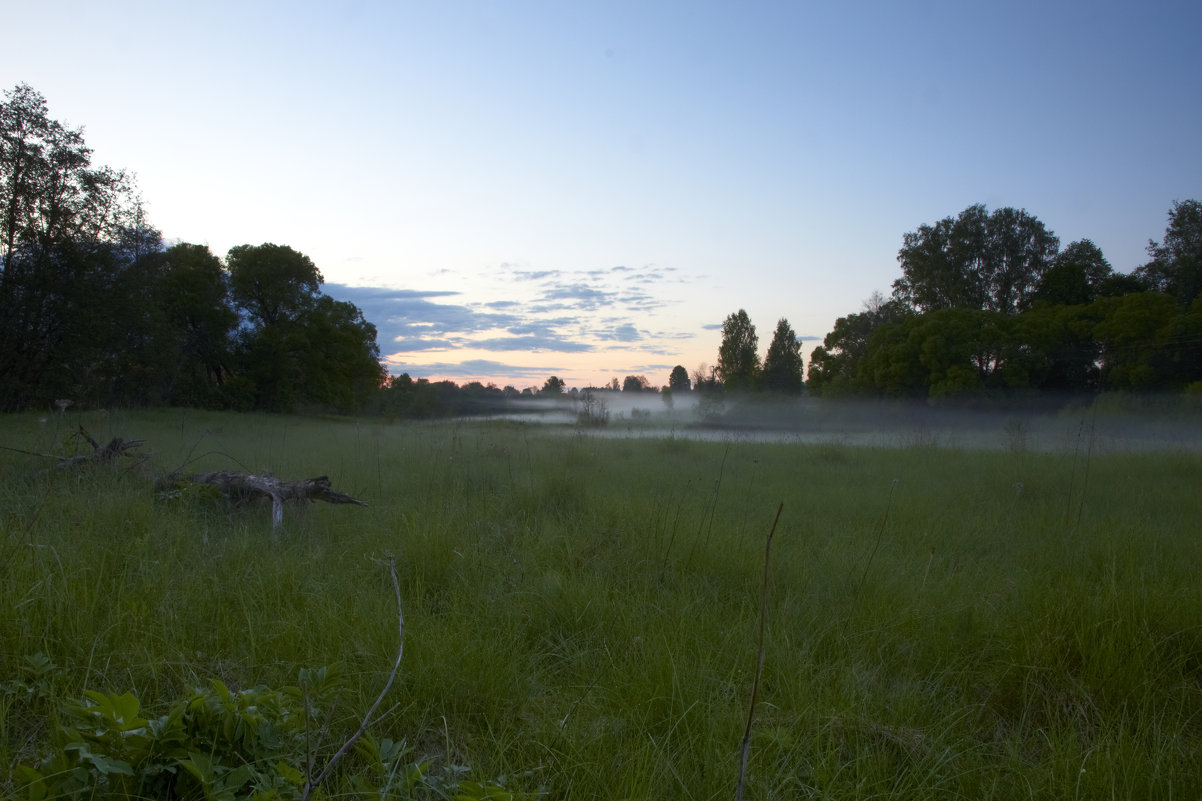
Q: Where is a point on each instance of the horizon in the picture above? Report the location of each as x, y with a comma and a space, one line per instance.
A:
587, 191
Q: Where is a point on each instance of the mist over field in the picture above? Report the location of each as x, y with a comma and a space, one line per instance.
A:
1115, 424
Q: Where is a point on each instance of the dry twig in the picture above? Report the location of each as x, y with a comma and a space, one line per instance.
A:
759, 666
312, 784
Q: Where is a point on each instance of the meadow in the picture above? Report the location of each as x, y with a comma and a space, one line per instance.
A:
580, 614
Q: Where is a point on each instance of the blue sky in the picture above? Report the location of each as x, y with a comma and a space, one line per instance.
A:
586, 189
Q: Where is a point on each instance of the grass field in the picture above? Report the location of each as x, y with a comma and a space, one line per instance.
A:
580, 614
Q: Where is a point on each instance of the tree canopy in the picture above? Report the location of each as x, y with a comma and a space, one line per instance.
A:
987, 307
67, 230
834, 365
94, 309
1078, 274
976, 260
678, 379
738, 365
1176, 262
783, 363
635, 383
272, 284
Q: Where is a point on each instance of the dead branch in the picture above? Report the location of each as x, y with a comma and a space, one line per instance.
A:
311, 784
238, 486
101, 454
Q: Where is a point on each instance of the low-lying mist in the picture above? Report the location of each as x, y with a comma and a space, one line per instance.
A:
1104, 423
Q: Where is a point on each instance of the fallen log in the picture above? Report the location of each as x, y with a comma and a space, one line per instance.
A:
237, 486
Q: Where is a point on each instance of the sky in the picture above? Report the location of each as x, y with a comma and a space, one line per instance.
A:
514, 190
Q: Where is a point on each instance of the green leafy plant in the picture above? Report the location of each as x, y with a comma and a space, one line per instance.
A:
222, 745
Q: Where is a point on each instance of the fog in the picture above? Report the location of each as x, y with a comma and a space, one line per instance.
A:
1105, 424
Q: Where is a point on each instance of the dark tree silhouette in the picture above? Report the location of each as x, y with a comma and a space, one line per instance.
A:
976, 261
678, 380
738, 362
1176, 265
635, 383
1077, 275
66, 233
783, 362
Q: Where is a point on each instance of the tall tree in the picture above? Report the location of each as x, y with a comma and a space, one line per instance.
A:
62, 224
976, 261
1176, 265
296, 345
678, 379
783, 363
342, 361
635, 383
738, 362
272, 284
1078, 275
194, 293
835, 365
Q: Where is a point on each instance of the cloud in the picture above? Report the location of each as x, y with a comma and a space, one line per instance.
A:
547, 326
578, 296
415, 344
402, 315
473, 369
369, 294
626, 332
407, 321
531, 311
534, 275
531, 344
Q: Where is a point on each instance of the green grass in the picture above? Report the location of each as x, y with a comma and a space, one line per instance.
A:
580, 614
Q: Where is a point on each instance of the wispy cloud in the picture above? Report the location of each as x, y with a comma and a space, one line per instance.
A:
532, 344
523, 310
626, 332
534, 275
474, 369
407, 316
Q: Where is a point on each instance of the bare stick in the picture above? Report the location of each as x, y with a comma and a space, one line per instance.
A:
759, 666
313, 784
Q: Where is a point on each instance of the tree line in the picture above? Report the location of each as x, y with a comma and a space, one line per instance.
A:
95, 308
989, 306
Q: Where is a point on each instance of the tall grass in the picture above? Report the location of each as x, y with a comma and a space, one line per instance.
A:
580, 613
